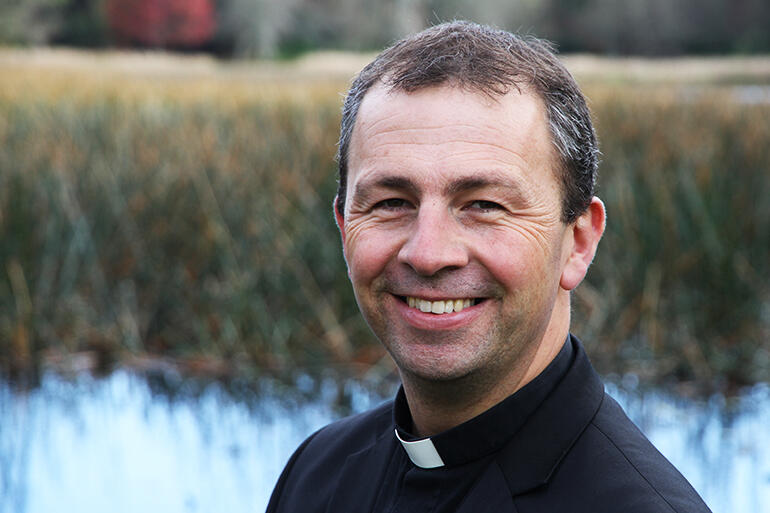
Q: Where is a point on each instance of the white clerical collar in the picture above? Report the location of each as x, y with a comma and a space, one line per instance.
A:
422, 452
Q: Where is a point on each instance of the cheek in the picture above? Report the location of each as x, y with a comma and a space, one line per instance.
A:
515, 261
508, 268
368, 254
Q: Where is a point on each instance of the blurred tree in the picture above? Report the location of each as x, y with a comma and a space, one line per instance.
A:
161, 23
255, 28
281, 28
517, 15
343, 24
82, 24
30, 22
656, 27
360, 25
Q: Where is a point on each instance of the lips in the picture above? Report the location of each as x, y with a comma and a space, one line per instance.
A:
441, 306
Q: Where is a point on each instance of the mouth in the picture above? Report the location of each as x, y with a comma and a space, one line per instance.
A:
441, 306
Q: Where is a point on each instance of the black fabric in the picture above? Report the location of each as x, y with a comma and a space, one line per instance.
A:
558, 444
487, 433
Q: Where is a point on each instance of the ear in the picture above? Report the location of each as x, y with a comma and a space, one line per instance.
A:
583, 237
340, 218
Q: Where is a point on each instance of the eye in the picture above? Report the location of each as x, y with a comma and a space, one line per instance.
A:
485, 205
392, 204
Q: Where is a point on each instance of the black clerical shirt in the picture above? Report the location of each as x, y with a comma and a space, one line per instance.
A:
558, 444
465, 450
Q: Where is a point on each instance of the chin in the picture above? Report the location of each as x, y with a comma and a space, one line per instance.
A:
438, 369
436, 375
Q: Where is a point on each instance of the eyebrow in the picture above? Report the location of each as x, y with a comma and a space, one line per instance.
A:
459, 185
478, 182
513, 189
363, 188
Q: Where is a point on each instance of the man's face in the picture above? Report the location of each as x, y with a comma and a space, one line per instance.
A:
452, 199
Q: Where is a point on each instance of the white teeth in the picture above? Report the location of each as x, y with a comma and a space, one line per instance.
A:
439, 307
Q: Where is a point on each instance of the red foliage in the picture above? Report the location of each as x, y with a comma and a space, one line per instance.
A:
161, 23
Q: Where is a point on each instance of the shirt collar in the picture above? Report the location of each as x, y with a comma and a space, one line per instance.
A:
485, 433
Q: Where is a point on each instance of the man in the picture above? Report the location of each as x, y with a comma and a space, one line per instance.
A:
467, 161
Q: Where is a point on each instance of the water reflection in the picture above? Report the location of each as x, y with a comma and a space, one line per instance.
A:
164, 443
721, 446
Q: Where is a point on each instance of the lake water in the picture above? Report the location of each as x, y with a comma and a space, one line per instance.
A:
129, 443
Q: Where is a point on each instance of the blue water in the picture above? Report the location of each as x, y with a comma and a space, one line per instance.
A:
128, 444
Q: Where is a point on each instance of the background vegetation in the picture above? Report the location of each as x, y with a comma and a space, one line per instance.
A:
181, 207
247, 28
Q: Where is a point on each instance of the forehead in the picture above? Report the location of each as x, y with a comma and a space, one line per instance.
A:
446, 130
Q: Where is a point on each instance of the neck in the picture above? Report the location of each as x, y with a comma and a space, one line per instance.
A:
437, 406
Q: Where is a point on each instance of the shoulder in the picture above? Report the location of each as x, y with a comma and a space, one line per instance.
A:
579, 452
332, 444
627, 447
358, 431
613, 463
314, 469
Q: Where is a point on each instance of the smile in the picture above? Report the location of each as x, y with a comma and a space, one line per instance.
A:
442, 306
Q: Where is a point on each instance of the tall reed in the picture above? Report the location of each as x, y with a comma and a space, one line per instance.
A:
680, 284
195, 220
174, 229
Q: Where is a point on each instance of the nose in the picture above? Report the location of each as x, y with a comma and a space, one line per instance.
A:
434, 243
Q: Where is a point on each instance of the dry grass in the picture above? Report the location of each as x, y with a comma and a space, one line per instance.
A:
54, 75
340, 66
712, 71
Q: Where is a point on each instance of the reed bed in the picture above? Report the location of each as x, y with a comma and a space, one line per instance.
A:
187, 214
680, 287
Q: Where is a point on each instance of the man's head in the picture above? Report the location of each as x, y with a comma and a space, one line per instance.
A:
492, 62
452, 213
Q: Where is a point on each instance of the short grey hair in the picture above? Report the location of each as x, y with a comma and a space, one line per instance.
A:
490, 61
